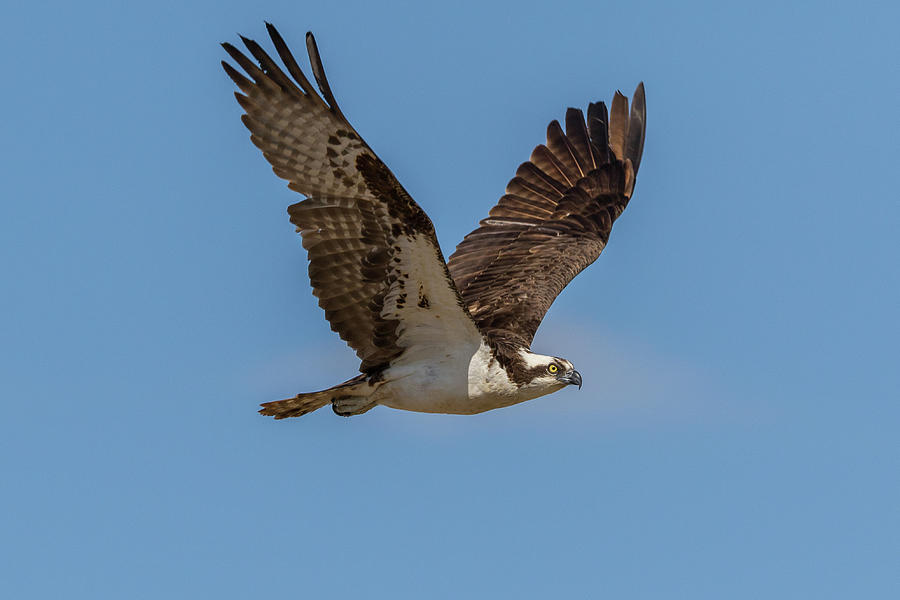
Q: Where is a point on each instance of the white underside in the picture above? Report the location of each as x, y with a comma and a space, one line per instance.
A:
461, 381
446, 366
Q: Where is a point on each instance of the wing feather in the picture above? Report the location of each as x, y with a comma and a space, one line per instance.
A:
564, 152
554, 219
618, 125
577, 134
636, 130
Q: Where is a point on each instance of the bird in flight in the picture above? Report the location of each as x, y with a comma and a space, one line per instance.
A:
433, 335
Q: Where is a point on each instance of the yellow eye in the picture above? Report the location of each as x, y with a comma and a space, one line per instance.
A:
553, 369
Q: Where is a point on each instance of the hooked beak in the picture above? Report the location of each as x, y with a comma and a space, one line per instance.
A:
572, 377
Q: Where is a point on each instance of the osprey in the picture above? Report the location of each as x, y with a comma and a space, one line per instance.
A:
433, 335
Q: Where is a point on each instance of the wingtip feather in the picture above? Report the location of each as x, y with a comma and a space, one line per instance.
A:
315, 61
637, 127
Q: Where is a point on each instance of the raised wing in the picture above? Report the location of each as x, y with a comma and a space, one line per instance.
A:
554, 219
375, 263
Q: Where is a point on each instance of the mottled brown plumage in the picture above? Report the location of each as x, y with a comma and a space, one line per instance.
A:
553, 221
356, 211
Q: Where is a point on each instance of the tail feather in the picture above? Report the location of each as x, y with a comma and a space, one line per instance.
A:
302, 404
297, 406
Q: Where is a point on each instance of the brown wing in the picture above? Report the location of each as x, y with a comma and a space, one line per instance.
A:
554, 219
375, 263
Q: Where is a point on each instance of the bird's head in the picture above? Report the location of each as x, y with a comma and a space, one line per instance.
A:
546, 374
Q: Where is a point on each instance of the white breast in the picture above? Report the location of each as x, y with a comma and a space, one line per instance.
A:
446, 365
461, 380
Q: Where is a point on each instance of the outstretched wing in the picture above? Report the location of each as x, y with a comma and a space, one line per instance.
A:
554, 219
374, 261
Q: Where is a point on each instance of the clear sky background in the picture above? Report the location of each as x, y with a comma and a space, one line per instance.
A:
736, 436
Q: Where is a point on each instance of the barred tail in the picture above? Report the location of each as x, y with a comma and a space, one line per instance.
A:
296, 406
353, 393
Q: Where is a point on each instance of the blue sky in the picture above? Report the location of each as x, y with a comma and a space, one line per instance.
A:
736, 434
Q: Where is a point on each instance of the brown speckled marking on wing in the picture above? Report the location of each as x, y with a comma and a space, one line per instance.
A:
358, 224
553, 221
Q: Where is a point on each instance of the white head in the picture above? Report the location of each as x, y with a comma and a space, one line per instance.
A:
538, 374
